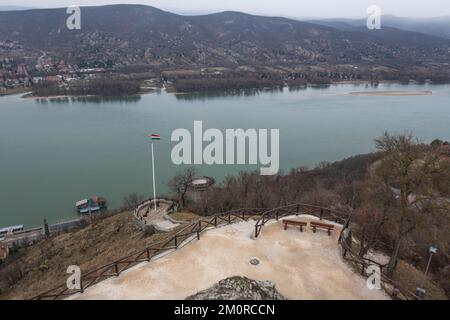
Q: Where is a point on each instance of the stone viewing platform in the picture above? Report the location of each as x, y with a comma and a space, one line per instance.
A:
156, 220
198, 186
298, 265
202, 183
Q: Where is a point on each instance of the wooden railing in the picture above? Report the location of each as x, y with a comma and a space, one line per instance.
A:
173, 205
394, 290
194, 230
114, 269
297, 209
361, 263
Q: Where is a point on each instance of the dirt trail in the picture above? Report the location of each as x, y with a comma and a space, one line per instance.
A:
43, 266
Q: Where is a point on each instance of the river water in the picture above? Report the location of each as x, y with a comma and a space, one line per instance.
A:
53, 153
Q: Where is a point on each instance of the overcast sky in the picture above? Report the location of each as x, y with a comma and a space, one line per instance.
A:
290, 8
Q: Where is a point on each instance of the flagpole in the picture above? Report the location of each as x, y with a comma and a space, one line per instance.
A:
153, 170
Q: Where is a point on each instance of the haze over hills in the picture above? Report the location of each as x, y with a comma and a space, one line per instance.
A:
14, 8
137, 34
438, 26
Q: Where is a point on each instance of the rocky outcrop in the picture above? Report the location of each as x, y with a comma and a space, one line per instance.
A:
239, 288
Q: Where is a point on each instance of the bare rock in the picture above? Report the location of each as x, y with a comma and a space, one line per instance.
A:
239, 288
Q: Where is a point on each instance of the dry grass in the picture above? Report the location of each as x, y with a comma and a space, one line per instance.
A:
184, 216
43, 266
410, 278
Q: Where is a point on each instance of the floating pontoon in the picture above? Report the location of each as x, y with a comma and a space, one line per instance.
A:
91, 205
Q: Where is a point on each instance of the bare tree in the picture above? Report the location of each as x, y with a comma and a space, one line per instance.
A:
408, 173
132, 200
369, 223
46, 229
321, 197
180, 184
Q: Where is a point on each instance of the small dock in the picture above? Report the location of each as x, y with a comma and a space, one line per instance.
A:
91, 205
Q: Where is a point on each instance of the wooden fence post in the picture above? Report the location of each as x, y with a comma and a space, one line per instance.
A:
81, 285
176, 241
321, 213
148, 254
198, 235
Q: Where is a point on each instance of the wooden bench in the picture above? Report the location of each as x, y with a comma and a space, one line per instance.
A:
319, 225
300, 224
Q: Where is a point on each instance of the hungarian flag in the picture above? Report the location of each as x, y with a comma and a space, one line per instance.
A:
156, 136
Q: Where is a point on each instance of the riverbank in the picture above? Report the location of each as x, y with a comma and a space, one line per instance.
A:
11, 92
169, 88
73, 147
172, 90
144, 90
392, 93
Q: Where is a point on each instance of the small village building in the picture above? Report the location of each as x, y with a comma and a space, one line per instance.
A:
202, 183
37, 80
198, 186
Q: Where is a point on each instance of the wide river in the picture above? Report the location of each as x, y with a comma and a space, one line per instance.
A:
53, 153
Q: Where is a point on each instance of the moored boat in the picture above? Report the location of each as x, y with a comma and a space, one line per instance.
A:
91, 205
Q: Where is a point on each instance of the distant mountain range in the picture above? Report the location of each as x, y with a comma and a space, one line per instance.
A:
137, 34
438, 26
14, 8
